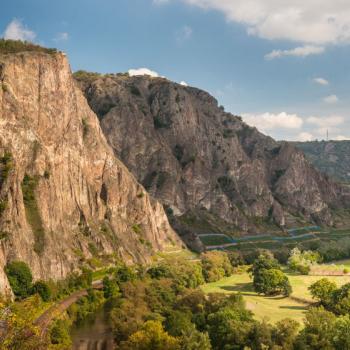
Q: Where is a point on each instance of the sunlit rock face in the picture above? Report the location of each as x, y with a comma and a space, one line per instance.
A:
62, 188
212, 171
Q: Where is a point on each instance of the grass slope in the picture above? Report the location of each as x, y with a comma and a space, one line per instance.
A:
272, 308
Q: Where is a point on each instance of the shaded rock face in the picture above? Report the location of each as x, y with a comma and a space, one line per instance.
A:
330, 157
209, 168
62, 189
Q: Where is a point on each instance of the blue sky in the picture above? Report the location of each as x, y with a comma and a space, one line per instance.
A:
284, 67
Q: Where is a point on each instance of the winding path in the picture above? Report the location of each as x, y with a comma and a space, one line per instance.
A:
44, 321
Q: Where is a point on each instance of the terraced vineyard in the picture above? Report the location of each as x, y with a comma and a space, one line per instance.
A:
292, 238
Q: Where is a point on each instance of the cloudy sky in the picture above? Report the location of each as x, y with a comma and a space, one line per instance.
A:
282, 64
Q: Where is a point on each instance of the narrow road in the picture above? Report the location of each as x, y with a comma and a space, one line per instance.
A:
44, 321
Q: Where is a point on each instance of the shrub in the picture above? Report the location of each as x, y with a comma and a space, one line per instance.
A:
151, 336
110, 288
43, 289
6, 165
135, 90
302, 261
59, 334
216, 265
20, 278
29, 185
136, 228
14, 46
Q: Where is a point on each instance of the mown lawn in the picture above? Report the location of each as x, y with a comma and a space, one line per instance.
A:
272, 308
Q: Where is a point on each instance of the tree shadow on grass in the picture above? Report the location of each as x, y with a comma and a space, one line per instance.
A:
239, 287
294, 307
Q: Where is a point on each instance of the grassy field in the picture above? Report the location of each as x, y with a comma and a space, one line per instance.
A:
272, 308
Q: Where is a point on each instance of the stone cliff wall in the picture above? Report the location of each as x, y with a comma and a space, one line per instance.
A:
62, 189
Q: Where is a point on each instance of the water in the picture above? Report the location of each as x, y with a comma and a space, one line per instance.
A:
94, 333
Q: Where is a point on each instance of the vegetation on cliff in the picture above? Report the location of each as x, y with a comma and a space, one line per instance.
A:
14, 46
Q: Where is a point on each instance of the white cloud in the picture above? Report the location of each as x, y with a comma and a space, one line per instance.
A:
17, 31
62, 37
324, 122
184, 34
143, 71
269, 121
341, 138
311, 22
301, 51
183, 83
160, 2
305, 136
331, 99
321, 81
284, 126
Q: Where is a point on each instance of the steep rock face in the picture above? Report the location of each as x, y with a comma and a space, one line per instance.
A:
330, 157
62, 189
211, 169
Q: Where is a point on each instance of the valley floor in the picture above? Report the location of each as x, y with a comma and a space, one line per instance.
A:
273, 308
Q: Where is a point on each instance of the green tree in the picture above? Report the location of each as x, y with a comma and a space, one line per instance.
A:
159, 271
110, 288
323, 291
264, 262
319, 330
274, 281
192, 339
341, 339
125, 274
151, 337
20, 278
216, 265
260, 336
236, 258
302, 261
229, 328
341, 300
43, 289
59, 334
177, 322
284, 333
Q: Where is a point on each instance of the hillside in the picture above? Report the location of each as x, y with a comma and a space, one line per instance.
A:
330, 157
65, 198
213, 172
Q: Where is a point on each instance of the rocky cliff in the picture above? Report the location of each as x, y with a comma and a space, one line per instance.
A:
64, 197
211, 170
330, 157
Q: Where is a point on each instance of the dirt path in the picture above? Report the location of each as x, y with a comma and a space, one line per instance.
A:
44, 321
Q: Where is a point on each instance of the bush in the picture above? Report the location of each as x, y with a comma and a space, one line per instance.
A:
323, 290
59, 334
151, 336
29, 186
110, 288
20, 278
216, 265
302, 261
14, 46
43, 289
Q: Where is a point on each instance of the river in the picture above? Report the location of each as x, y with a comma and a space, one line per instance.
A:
94, 333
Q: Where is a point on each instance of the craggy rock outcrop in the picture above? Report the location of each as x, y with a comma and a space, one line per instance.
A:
209, 168
64, 196
330, 157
